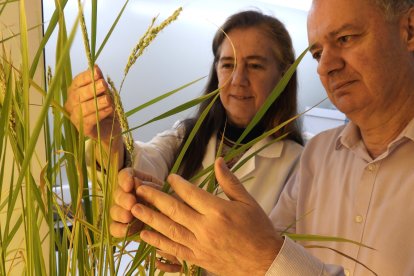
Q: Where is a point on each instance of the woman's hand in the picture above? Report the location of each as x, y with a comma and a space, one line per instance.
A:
86, 111
125, 198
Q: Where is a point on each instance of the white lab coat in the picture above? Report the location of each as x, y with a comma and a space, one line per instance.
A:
263, 175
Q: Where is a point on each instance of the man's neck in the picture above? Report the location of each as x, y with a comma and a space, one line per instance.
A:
378, 134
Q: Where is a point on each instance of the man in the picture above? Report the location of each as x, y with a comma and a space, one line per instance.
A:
354, 182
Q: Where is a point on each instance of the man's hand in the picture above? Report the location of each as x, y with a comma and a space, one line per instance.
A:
222, 236
125, 198
168, 263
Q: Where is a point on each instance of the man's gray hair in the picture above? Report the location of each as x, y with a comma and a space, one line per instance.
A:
393, 8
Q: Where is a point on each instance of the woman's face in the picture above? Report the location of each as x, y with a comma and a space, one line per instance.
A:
246, 83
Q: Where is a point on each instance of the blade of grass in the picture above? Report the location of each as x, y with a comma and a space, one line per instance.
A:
110, 31
280, 86
243, 148
46, 36
308, 237
39, 124
343, 254
4, 4
190, 138
5, 111
85, 37
18, 34
177, 109
163, 96
93, 28
30, 223
143, 251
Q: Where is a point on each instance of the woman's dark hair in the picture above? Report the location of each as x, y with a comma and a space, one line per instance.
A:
284, 108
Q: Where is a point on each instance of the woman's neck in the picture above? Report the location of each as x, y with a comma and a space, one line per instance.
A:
233, 133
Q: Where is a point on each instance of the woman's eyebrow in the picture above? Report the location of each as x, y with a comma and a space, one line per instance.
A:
252, 57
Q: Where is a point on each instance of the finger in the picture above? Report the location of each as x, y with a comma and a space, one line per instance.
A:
167, 245
172, 259
89, 91
121, 230
167, 262
147, 177
231, 186
167, 267
126, 180
90, 121
153, 185
85, 77
163, 224
85, 93
124, 199
90, 107
169, 206
120, 214
197, 198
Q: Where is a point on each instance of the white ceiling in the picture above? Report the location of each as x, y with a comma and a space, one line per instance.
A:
296, 4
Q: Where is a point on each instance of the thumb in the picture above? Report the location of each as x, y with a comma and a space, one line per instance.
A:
230, 184
126, 180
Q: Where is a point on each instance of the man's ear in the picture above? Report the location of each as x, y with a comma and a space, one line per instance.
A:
409, 28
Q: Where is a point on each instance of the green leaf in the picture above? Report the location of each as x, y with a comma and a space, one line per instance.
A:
3, 4
343, 254
5, 111
163, 96
46, 37
42, 115
308, 237
110, 31
190, 138
279, 88
94, 21
177, 109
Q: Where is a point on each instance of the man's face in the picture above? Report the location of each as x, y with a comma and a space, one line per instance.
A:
362, 58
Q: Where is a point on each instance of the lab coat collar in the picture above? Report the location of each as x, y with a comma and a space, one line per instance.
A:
273, 150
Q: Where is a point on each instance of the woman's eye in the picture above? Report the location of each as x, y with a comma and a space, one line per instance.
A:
256, 66
227, 65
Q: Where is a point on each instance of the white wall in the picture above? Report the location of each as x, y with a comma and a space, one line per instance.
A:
10, 25
180, 54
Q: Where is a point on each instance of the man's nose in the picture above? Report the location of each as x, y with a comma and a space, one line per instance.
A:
330, 61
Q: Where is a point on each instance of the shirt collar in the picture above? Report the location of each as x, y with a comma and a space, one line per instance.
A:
350, 136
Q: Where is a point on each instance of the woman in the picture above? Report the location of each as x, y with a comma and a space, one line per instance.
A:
263, 51
246, 75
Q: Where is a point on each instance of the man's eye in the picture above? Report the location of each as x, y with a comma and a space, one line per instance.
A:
317, 55
344, 39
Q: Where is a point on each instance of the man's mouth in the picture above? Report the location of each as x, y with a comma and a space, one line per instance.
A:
340, 85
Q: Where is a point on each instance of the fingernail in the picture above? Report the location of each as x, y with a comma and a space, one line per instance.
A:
221, 162
143, 235
137, 211
140, 190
